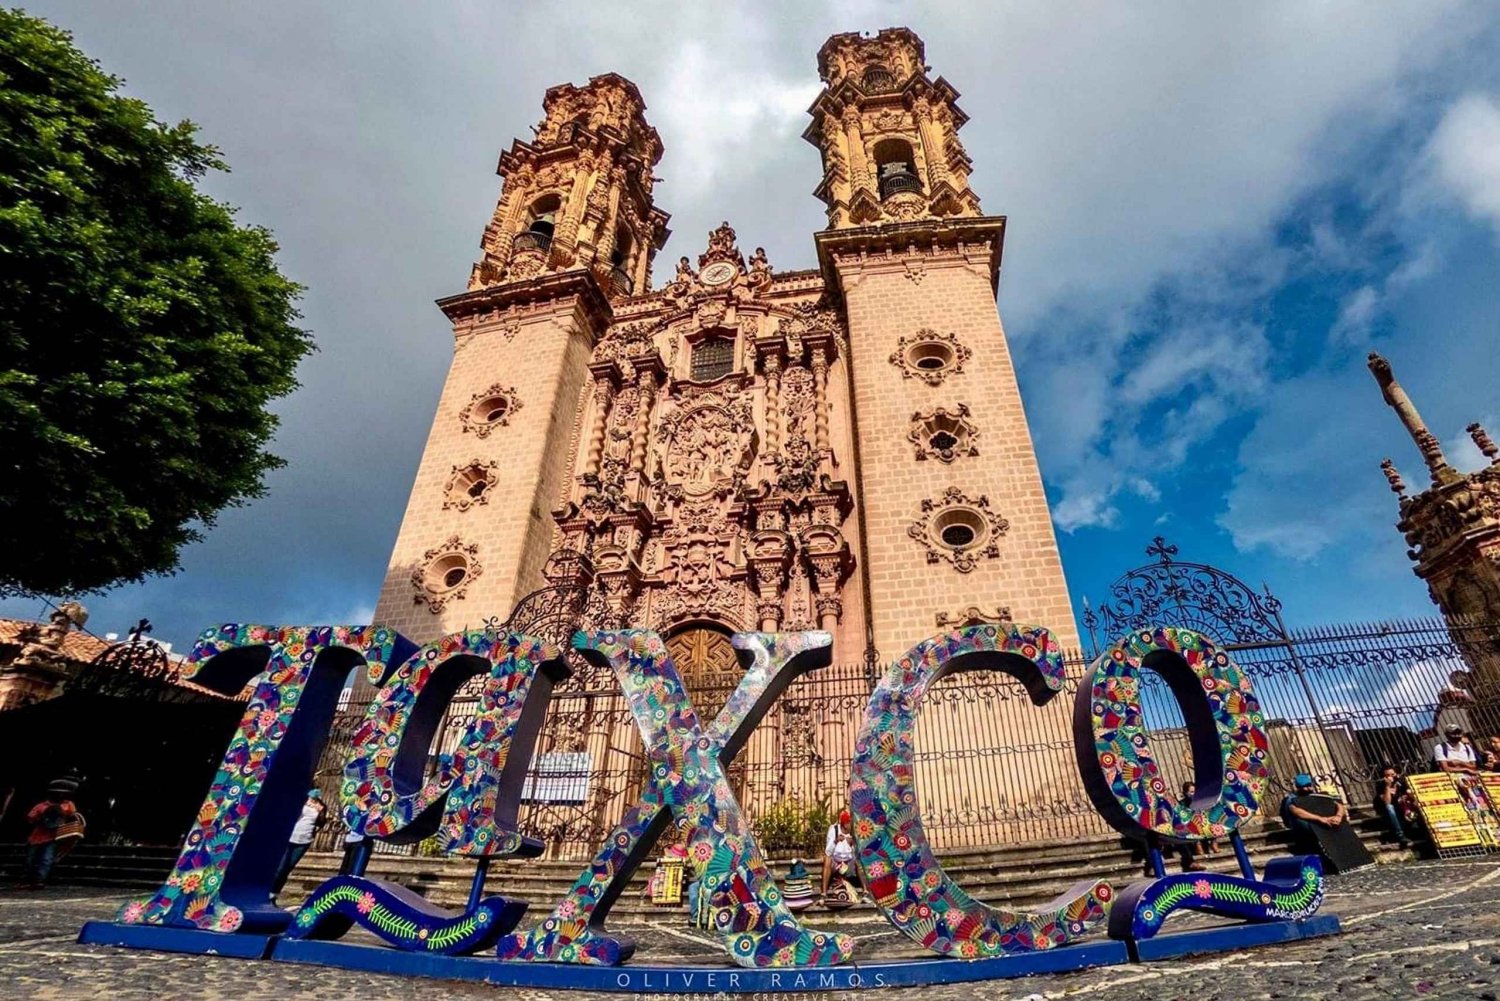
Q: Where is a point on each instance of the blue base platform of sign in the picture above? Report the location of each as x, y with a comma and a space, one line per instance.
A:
189, 940
688, 980
1232, 937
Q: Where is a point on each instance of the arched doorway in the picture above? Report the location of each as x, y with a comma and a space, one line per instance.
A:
709, 665
710, 668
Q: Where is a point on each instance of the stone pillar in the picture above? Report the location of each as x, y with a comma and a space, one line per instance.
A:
646, 384
933, 145
772, 367
859, 165
1406, 412
820, 402
604, 395
830, 609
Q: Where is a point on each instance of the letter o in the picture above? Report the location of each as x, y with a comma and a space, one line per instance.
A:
1226, 731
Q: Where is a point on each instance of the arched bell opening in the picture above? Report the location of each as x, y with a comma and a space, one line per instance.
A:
542, 223
896, 166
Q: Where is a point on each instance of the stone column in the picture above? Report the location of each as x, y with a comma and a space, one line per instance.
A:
772, 366
820, 400
933, 145
604, 395
830, 609
646, 383
859, 165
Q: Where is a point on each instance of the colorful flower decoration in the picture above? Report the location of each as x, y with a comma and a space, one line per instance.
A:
402, 917
1291, 889
687, 785
900, 869
1225, 725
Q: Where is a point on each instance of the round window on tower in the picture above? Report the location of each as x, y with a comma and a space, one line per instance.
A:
929, 356
490, 409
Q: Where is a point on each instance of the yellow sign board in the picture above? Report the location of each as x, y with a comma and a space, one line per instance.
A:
1443, 811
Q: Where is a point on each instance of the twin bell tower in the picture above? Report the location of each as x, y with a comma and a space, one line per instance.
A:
717, 445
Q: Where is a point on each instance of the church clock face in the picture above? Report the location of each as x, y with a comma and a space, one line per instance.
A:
717, 273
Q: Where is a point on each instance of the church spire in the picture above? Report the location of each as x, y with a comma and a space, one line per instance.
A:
578, 197
1427, 443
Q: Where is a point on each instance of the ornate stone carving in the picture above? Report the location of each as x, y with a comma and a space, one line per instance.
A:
708, 445
958, 529
489, 409
760, 268
973, 615
627, 340
470, 484
698, 570
721, 247
445, 573
930, 356
943, 434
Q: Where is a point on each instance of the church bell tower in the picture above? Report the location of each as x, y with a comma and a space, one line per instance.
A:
957, 526
574, 233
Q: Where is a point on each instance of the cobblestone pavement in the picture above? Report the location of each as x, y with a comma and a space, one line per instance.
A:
1421, 930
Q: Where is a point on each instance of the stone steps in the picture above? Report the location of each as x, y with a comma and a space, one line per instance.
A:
1017, 876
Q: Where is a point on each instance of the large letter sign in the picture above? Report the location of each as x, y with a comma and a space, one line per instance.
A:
470, 802
1228, 739
217, 898
222, 879
903, 875
687, 786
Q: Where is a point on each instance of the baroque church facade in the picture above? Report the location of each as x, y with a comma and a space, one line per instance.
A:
712, 445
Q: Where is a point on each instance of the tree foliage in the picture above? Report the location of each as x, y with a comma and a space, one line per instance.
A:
142, 332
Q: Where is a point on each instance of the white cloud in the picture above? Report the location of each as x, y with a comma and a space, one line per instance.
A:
1465, 151
714, 129
1357, 314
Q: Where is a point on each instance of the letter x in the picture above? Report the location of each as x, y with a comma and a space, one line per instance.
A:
686, 786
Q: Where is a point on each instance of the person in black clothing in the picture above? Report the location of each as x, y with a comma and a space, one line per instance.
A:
1390, 790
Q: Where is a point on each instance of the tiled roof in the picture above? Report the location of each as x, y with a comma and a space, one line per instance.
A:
76, 645
82, 648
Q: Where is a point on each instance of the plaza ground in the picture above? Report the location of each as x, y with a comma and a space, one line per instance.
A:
1424, 930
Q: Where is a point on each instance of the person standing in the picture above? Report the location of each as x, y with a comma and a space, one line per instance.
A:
838, 849
354, 843
1454, 754
1492, 756
1390, 790
52, 820
314, 815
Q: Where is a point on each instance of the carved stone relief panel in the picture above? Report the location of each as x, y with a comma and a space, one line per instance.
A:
707, 445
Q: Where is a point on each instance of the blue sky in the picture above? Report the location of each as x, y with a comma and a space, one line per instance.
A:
1214, 214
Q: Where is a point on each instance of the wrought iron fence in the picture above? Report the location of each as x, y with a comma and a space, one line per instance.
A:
992, 768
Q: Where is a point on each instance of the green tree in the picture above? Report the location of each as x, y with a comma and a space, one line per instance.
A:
142, 332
